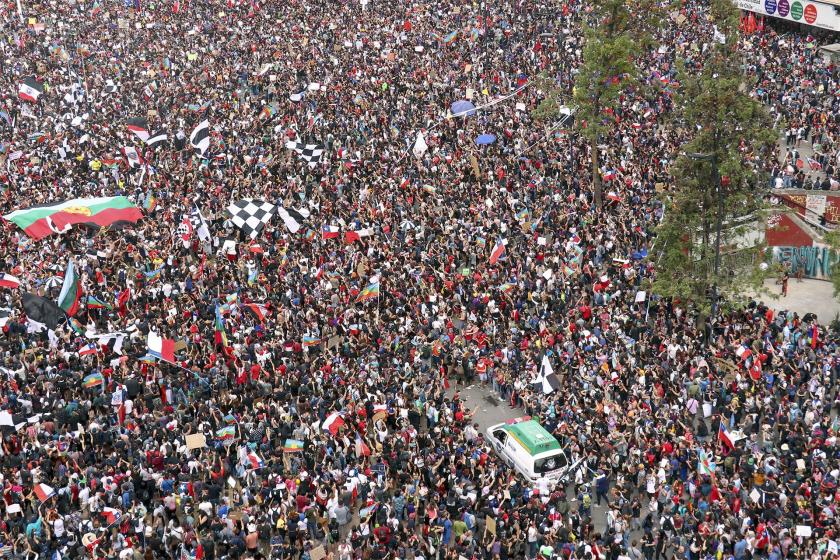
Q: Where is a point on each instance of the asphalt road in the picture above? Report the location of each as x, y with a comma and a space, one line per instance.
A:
493, 410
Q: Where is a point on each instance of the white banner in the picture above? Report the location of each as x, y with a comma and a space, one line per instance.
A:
808, 12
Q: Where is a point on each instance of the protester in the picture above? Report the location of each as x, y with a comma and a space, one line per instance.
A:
245, 334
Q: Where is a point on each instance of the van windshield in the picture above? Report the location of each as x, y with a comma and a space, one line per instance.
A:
550, 463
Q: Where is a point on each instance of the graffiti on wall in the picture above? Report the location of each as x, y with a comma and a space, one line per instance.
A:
815, 261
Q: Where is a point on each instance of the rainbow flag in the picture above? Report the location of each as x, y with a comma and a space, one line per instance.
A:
153, 275
370, 292
94, 302
150, 202
228, 432
219, 328
523, 214
270, 110
229, 419
311, 341
310, 236
450, 37
293, 445
76, 325
93, 380
506, 287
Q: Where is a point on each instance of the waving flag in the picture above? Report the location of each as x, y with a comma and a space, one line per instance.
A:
93, 302
259, 310
200, 138
228, 432
30, 89
40, 221
309, 341
139, 127
333, 423
161, 348
71, 291
88, 349
498, 252
371, 291
705, 466
219, 335
44, 492
9, 281
111, 515
814, 164
255, 461
93, 380
330, 232
362, 449
132, 156
357, 235
725, 437
293, 446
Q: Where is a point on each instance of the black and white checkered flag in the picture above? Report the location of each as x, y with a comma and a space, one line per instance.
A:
199, 224
293, 217
309, 151
251, 215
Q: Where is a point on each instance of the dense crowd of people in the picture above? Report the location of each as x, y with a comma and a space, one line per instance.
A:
311, 408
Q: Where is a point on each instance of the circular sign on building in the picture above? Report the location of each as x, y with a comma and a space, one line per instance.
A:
796, 10
810, 13
770, 6
784, 8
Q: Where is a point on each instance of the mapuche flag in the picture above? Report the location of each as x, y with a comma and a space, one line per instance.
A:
40, 221
71, 291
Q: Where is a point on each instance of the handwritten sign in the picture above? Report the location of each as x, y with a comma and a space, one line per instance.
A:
196, 441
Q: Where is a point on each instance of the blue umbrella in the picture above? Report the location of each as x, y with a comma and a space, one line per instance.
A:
485, 139
463, 108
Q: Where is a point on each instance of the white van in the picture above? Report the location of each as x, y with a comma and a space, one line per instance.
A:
530, 449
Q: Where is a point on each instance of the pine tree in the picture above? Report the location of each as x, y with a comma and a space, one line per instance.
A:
607, 70
734, 136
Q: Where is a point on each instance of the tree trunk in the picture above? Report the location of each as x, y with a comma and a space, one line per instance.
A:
596, 174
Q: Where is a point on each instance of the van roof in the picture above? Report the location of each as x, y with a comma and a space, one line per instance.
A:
532, 436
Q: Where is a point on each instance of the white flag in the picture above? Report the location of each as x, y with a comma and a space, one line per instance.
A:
719, 37
420, 145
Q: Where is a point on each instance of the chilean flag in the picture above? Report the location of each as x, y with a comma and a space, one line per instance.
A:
333, 423
351, 236
111, 515
362, 449
330, 232
498, 251
44, 492
88, 349
9, 281
724, 436
162, 348
255, 461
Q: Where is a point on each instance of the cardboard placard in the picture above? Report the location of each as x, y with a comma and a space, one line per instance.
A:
318, 553
803, 531
196, 441
490, 523
475, 168
334, 341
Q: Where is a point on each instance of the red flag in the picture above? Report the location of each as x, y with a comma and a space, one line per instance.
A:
121, 414
714, 495
122, 301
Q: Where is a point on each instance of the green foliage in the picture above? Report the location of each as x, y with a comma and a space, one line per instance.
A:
608, 69
548, 108
832, 238
737, 130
